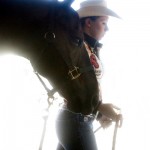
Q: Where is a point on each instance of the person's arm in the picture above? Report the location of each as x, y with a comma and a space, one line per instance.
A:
108, 110
107, 113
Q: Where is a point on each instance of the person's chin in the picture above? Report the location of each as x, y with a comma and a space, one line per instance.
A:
101, 37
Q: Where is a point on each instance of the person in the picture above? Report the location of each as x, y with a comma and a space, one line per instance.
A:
77, 134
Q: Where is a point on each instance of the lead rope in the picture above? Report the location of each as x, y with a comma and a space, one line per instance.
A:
50, 94
117, 124
45, 124
114, 135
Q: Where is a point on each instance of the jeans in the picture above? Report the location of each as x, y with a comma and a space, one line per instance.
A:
75, 131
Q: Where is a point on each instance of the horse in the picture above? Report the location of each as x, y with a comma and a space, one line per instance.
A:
49, 35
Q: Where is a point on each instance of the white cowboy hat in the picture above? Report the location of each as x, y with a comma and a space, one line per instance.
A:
95, 8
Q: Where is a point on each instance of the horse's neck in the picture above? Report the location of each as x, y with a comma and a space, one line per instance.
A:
26, 49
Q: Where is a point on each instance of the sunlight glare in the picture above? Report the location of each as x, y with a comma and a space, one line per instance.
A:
125, 57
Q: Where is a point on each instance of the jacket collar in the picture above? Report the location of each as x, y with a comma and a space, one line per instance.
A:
92, 42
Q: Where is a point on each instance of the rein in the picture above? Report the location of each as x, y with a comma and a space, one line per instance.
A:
50, 93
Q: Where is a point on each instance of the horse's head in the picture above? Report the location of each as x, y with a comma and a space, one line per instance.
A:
53, 41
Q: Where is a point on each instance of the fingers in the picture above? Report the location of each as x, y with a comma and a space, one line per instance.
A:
105, 122
112, 106
107, 110
116, 107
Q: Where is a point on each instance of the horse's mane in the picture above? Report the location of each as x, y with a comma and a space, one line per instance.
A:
48, 33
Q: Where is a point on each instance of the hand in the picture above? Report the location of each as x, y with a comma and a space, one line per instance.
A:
105, 121
112, 112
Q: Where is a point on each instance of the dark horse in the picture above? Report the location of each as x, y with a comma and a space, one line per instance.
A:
48, 33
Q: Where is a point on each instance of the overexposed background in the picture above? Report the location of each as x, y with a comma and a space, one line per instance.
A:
126, 59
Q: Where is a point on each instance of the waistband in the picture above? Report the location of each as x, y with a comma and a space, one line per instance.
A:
78, 116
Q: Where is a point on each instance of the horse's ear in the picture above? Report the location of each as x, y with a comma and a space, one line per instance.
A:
69, 2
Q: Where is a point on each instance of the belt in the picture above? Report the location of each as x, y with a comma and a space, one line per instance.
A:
78, 116
84, 118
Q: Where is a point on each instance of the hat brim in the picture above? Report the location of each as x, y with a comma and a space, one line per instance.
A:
96, 11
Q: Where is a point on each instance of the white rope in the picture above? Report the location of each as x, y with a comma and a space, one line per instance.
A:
114, 135
43, 132
45, 117
97, 129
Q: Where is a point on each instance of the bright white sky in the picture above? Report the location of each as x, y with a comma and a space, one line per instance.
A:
126, 83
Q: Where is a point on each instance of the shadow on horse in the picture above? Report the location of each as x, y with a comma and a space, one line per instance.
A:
48, 33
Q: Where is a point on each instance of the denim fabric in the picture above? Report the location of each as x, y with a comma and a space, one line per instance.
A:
75, 131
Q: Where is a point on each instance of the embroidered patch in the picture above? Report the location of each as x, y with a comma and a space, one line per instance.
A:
96, 64
94, 61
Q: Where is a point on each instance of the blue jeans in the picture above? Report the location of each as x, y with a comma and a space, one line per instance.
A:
75, 131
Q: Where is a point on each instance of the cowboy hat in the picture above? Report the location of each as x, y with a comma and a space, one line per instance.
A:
95, 8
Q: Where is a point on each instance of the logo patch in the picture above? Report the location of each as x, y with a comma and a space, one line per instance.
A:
93, 60
96, 64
